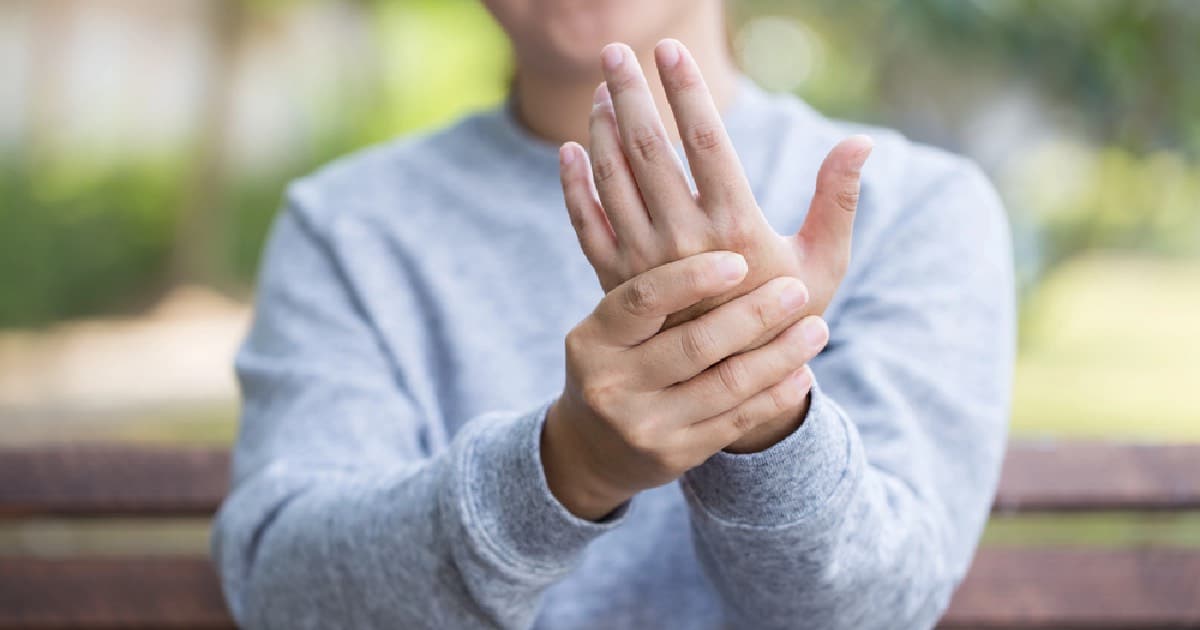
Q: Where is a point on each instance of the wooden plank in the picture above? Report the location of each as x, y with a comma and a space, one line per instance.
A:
1007, 588
1095, 476
179, 592
1068, 589
128, 480
112, 480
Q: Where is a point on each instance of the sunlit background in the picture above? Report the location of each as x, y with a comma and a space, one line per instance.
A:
144, 145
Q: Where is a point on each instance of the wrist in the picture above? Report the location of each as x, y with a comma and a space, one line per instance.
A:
570, 471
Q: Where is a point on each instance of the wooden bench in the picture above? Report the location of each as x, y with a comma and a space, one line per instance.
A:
1018, 587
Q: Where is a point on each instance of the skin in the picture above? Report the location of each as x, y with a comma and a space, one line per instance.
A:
634, 210
642, 405
555, 44
685, 355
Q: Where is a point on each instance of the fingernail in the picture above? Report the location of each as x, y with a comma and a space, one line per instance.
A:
865, 146
668, 53
794, 296
612, 56
566, 155
601, 95
814, 331
732, 267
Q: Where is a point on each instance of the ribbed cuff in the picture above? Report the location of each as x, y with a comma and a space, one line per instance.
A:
508, 504
805, 476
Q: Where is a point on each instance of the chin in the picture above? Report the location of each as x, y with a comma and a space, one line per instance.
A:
564, 37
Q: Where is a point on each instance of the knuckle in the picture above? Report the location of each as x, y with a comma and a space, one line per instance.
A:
791, 347
735, 232
764, 315
686, 81
651, 421
794, 354
734, 377
847, 198
741, 421
783, 398
647, 143
641, 258
604, 168
705, 137
851, 171
682, 245
695, 278
599, 397
698, 345
642, 439
575, 343
640, 298
624, 82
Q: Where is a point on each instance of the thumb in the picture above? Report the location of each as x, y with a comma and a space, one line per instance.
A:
825, 236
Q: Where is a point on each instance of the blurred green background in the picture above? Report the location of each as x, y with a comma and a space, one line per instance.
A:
146, 145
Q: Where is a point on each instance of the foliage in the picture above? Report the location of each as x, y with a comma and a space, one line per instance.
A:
423, 78
1114, 81
76, 240
80, 237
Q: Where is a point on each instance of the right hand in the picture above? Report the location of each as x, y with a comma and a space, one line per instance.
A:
640, 407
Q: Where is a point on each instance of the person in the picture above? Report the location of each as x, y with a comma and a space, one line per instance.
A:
745, 380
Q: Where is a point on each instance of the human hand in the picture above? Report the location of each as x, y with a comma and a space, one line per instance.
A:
642, 405
634, 210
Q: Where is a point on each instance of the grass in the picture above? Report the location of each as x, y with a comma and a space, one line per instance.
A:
212, 425
103, 537
1111, 349
1180, 530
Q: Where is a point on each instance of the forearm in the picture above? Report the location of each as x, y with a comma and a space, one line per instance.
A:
469, 538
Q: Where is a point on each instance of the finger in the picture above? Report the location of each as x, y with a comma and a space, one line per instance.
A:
684, 351
715, 166
635, 311
653, 160
826, 234
738, 378
614, 181
595, 235
718, 432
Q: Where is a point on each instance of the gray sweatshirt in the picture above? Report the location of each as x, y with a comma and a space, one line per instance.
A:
409, 335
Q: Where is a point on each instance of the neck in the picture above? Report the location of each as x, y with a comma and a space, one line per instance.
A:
556, 108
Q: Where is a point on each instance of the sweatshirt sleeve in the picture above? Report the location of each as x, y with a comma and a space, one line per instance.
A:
340, 514
867, 516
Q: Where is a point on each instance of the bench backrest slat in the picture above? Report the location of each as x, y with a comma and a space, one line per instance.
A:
1079, 588
121, 480
112, 480
1083, 476
1007, 588
155, 592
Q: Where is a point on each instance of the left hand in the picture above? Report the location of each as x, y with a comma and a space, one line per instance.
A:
633, 210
